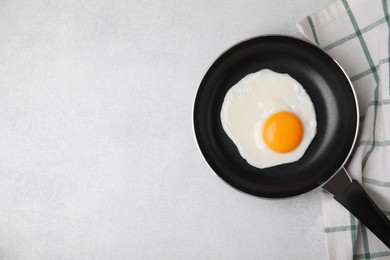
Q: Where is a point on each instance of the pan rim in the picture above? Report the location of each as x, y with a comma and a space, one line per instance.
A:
323, 180
357, 124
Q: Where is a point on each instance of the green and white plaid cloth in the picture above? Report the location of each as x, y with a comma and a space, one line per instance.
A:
356, 33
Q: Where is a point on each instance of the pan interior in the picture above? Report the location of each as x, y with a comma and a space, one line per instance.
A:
329, 90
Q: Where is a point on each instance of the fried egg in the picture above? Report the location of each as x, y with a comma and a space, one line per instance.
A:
269, 117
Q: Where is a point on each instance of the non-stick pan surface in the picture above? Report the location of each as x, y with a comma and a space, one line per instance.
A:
326, 84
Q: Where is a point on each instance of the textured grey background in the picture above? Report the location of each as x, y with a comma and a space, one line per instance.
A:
97, 154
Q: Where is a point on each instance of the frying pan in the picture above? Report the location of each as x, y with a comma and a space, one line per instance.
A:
337, 116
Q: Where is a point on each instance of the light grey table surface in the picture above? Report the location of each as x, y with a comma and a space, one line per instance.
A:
97, 154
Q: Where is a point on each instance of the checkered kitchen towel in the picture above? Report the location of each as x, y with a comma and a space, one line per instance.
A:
356, 34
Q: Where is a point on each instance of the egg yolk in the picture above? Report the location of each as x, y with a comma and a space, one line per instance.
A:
283, 132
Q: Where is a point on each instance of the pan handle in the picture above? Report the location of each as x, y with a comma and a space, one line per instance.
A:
357, 201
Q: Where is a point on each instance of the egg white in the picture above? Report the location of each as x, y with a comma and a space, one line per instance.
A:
249, 103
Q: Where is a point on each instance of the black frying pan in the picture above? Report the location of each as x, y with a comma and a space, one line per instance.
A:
337, 125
